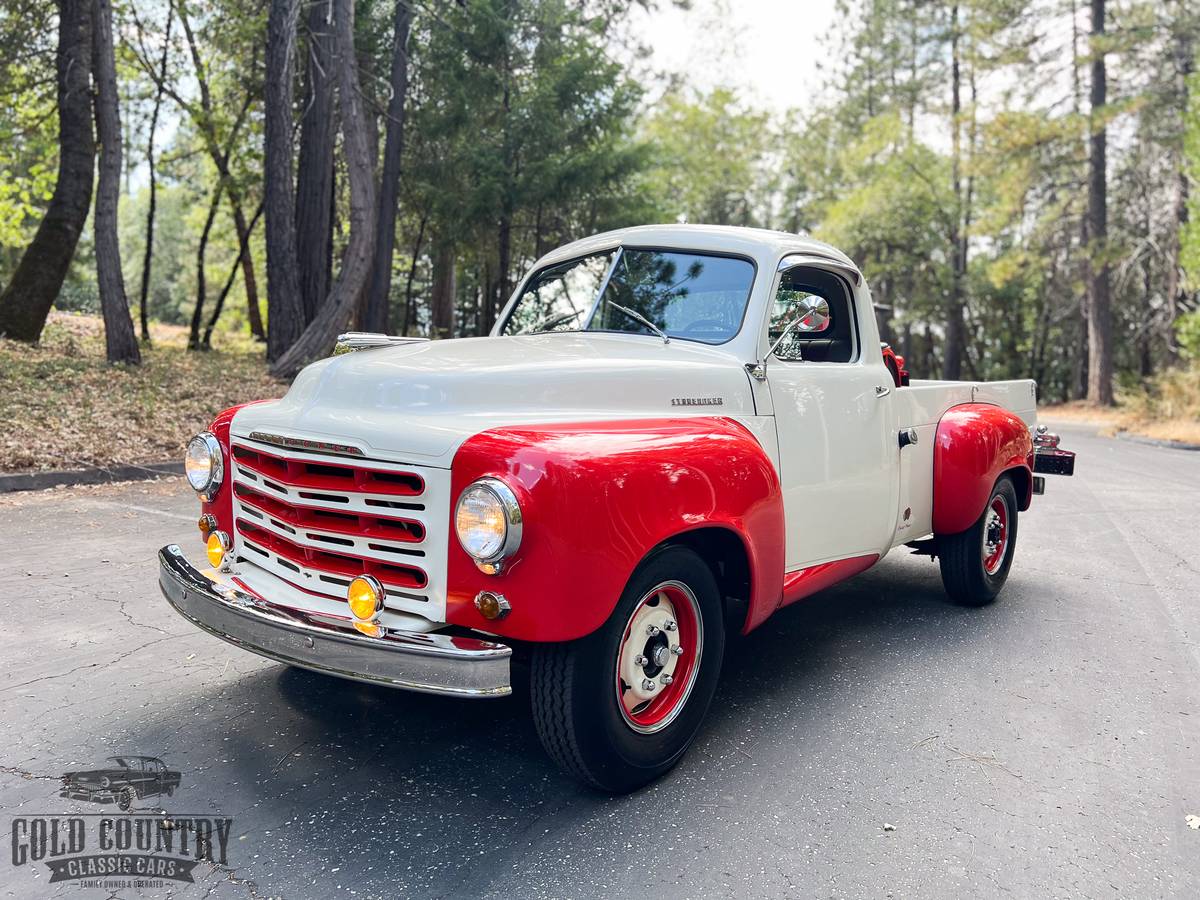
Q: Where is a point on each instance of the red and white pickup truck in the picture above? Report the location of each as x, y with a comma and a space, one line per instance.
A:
672, 432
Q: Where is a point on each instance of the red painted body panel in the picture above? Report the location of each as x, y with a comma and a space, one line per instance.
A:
805, 582
221, 505
975, 444
596, 497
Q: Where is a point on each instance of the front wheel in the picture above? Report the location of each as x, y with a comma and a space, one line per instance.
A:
619, 708
975, 562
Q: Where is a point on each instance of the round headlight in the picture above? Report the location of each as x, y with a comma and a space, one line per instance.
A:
203, 464
488, 521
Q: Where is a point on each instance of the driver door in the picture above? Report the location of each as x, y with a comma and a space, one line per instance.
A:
838, 454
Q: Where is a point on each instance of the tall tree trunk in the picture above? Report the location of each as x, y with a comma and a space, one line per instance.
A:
376, 316
953, 352
219, 305
314, 177
504, 263
409, 312
1078, 387
253, 310
119, 338
1100, 388
1185, 60
318, 338
148, 254
444, 290
39, 276
285, 315
201, 283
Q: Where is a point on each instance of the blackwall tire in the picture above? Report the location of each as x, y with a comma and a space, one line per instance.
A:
975, 562
614, 736
125, 799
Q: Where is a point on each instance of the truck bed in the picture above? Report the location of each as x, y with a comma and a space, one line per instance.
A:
924, 402
921, 405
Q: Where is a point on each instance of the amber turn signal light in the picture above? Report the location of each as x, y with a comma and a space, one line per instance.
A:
216, 548
491, 605
365, 597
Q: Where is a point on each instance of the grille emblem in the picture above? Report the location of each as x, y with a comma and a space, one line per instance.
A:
304, 444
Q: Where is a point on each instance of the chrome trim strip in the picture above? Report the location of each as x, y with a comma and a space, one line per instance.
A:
429, 663
305, 445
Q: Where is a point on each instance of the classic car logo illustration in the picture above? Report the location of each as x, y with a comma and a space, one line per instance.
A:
125, 780
123, 848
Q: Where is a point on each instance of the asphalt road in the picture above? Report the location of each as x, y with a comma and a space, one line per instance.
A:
1047, 746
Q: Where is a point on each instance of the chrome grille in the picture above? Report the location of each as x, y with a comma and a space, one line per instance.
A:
317, 521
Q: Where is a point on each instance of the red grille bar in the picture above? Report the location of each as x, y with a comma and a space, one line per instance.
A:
357, 524
336, 563
320, 476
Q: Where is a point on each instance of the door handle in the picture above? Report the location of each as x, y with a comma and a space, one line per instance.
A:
882, 390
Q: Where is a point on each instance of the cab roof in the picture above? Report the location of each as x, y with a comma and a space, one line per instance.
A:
754, 242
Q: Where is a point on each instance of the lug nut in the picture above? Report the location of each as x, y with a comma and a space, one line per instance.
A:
647, 684
641, 660
667, 679
652, 630
670, 625
677, 650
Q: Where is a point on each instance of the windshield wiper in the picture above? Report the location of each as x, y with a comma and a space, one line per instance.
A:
637, 316
547, 324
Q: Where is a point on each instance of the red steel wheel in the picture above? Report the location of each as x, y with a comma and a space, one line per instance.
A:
995, 534
659, 656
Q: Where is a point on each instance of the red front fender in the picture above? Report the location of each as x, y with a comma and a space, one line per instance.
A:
975, 444
596, 497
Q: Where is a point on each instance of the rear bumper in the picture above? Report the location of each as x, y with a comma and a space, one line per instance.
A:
431, 663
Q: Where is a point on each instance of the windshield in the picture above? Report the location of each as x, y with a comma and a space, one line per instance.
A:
688, 295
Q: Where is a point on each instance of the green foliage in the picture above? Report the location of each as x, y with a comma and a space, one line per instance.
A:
1187, 332
710, 156
1190, 235
28, 124
520, 122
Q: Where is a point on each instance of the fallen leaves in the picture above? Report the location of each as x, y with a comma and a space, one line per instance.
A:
65, 407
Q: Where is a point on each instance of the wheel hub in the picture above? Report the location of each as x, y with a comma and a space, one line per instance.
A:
995, 536
658, 657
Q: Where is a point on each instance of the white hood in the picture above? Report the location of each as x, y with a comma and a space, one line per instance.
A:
418, 402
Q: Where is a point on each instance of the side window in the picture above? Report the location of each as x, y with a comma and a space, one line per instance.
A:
816, 305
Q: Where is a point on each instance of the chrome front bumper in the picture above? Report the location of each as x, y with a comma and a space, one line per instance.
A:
432, 663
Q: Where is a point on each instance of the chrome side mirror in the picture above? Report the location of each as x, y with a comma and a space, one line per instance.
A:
813, 314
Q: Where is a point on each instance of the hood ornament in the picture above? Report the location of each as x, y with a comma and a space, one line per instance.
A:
369, 340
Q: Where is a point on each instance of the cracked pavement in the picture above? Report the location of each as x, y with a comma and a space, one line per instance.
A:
1046, 746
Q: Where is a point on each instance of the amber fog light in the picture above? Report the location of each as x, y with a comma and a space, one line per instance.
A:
365, 597
216, 548
492, 606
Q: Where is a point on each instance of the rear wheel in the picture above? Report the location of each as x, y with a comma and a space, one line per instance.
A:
975, 562
618, 708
